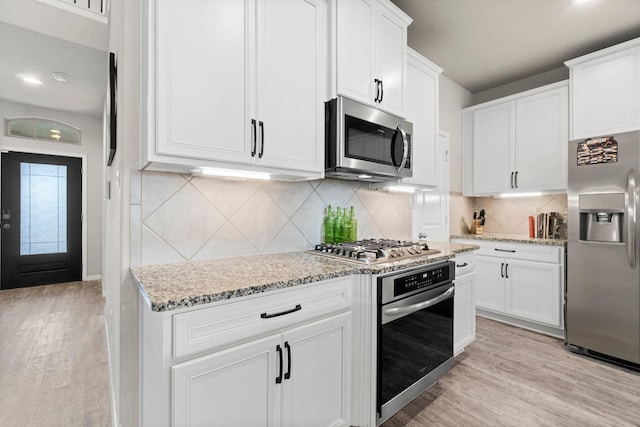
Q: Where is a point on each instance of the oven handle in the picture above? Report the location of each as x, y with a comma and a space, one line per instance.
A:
399, 311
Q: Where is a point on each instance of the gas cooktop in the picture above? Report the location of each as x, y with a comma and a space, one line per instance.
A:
374, 251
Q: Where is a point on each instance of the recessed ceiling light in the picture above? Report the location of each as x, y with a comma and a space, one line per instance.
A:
60, 77
29, 79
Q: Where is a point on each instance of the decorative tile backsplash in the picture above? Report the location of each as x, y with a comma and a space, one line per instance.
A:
511, 215
179, 217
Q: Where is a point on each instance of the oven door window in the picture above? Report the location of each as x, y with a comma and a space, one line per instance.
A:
370, 142
413, 345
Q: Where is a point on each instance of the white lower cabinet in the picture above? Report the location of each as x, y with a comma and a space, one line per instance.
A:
281, 358
217, 389
530, 290
464, 305
296, 378
520, 284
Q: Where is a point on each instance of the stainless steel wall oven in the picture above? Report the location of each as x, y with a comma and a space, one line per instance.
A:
415, 333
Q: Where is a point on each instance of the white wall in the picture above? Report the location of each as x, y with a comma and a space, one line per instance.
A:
52, 21
91, 146
121, 309
548, 77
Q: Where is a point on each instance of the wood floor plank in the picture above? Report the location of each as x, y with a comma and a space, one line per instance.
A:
514, 377
53, 360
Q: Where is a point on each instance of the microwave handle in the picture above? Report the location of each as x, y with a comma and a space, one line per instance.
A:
405, 149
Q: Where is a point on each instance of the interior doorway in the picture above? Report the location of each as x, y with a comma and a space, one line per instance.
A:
40, 219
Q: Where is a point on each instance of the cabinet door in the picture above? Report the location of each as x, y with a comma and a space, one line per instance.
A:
355, 49
605, 95
490, 283
464, 309
391, 58
493, 139
534, 291
233, 387
421, 109
291, 83
542, 137
317, 391
201, 64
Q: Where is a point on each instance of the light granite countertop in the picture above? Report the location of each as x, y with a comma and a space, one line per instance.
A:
172, 286
511, 238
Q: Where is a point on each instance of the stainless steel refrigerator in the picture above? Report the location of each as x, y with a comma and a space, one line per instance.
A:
603, 268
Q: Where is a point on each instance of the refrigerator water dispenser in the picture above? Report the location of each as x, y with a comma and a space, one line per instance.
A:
601, 217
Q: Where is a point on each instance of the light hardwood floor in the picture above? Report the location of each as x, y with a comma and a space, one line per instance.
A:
53, 359
513, 377
53, 372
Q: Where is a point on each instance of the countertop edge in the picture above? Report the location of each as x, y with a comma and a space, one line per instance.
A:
510, 239
342, 269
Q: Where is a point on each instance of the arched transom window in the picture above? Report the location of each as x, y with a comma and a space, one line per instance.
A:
40, 128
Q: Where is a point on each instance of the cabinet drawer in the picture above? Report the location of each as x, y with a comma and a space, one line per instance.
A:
242, 319
541, 253
464, 264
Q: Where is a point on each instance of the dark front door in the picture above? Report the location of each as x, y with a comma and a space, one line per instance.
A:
40, 219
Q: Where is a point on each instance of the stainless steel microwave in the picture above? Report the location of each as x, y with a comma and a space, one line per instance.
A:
366, 144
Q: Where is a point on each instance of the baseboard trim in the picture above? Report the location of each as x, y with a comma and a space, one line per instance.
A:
112, 391
521, 323
92, 278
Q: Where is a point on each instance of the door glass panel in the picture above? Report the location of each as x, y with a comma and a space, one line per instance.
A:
43, 208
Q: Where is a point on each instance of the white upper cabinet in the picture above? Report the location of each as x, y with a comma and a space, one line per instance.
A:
542, 137
235, 84
493, 144
605, 91
421, 109
517, 143
369, 50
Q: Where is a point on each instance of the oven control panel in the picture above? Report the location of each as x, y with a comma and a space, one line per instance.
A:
406, 284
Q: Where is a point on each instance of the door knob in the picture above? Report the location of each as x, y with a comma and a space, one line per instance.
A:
6, 226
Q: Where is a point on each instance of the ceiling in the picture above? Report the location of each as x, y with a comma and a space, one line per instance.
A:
482, 44
28, 52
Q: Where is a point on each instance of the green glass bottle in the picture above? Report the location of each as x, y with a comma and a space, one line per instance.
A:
329, 226
346, 229
354, 225
339, 225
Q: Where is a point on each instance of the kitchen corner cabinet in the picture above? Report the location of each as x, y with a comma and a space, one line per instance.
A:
369, 52
521, 284
422, 110
228, 364
605, 91
517, 143
234, 84
464, 304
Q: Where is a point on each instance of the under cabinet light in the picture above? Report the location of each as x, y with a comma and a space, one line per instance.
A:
229, 173
510, 195
401, 189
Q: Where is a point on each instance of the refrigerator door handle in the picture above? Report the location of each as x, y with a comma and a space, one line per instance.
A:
632, 200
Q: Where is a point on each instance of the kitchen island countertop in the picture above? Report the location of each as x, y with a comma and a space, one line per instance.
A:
179, 285
511, 238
